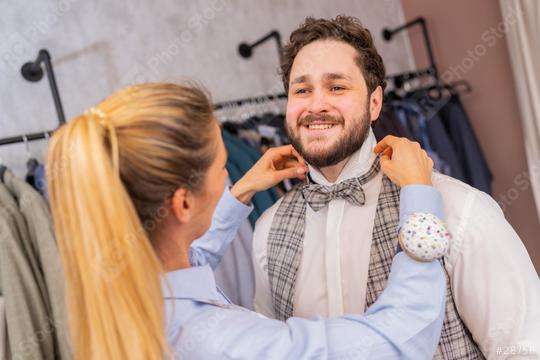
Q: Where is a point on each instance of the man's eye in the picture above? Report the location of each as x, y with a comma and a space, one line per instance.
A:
301, 91
337, 88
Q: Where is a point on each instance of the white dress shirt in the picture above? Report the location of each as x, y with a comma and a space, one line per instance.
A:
496, 288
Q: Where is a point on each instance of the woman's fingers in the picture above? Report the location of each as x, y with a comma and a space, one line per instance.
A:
404, 161
285, 152
386, 164
290, 164
387, 142
289, 173
388, 152
291, 169
276, 165
286, 157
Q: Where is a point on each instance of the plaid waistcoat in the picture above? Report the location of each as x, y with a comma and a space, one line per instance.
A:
285, 243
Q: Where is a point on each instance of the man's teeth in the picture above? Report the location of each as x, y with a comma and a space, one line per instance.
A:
320, 126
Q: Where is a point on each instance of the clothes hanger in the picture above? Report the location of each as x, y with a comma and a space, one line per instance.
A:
459, 87
3, 169
31, 162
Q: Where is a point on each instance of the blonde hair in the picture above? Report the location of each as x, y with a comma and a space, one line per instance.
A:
110, 172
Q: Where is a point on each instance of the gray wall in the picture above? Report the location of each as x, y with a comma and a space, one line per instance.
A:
98, 47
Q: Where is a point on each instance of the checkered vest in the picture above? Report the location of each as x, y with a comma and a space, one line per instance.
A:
285, 243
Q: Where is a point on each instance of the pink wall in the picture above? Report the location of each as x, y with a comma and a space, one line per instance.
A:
468, 39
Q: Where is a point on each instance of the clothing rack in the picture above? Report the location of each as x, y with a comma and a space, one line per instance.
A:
432, 70
247, 101
33, 72
246, 51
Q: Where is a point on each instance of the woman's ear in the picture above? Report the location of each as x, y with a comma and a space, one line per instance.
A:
182, 205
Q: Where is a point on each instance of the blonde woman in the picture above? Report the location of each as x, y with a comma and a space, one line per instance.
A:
135, 180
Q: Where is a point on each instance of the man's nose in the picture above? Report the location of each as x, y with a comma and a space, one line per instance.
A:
319, 103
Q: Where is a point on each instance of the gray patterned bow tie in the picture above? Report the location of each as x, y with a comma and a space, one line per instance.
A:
318, 196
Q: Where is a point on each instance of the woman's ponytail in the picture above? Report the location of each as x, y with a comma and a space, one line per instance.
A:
110, 173
114, 294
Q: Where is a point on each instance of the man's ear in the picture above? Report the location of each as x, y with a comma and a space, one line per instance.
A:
375, 103
182, 205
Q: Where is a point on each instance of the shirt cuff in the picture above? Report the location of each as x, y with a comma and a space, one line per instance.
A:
231, 209
419, 198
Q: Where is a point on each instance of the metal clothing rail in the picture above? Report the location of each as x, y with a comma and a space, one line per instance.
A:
27, 137
252, 100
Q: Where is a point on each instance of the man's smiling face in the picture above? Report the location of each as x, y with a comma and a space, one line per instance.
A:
328, 115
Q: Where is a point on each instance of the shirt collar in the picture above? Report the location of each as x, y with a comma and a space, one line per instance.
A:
358, 164
196, 282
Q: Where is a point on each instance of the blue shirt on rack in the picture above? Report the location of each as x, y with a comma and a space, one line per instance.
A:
405, 322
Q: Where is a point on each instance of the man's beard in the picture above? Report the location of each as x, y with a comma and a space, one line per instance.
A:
343, 148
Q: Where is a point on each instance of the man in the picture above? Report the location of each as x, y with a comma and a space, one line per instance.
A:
325, 248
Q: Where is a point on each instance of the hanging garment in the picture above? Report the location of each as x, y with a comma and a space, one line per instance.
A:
4, 345
431, 134
2, 171
244, 157
457, 124
389, 124
45, 254
262, 132
40, 183
35, 176
234, 273
27, 308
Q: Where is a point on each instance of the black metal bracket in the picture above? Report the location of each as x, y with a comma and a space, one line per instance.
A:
32, 71
432, 70
246, 50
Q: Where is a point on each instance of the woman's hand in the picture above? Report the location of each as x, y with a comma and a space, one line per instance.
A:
404, 161
276, 165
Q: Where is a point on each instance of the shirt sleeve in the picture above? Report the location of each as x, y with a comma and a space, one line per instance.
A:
405, 322
228, 216
495, 285
419, 198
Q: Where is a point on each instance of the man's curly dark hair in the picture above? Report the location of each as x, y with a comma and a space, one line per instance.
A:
347, 29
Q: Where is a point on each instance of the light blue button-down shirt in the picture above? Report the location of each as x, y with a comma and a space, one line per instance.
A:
405, 322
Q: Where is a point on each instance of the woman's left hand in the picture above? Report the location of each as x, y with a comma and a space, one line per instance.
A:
276, 165
404, 161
